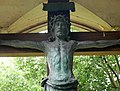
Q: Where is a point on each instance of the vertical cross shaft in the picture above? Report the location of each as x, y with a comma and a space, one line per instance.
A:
53, 13
58, 7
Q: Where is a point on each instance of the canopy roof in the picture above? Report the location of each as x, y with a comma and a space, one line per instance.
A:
23, 16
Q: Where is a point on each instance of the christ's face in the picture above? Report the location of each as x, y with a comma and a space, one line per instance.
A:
60, 29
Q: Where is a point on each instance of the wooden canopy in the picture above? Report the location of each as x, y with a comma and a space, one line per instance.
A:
27, 16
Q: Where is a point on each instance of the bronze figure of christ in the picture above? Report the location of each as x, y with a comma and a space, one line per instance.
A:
59, 51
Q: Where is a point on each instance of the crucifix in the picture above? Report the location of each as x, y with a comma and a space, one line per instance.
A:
59, 47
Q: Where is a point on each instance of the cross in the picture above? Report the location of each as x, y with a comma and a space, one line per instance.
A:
59, 50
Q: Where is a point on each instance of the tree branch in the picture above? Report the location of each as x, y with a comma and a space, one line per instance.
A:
105, 68
116, 57
111, 69
108, 73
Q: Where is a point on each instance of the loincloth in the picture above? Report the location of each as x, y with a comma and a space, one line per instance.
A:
68, 85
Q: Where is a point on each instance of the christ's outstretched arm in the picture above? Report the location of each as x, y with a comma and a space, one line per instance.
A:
96, 44
23, 44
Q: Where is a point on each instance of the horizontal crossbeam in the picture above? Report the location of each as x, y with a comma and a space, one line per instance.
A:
84, 36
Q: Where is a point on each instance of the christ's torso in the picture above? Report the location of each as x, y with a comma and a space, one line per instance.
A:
60, 59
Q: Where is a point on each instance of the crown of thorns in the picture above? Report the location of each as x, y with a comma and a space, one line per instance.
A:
58, 18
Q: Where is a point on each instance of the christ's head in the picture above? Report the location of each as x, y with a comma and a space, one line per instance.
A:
60, 27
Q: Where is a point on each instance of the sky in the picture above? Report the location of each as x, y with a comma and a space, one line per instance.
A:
6, 60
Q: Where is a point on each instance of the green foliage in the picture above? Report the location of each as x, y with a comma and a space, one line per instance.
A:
97, 73
25, 74
90, 76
